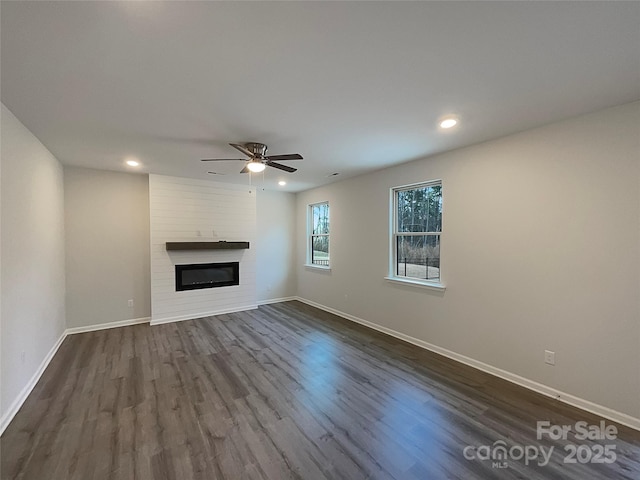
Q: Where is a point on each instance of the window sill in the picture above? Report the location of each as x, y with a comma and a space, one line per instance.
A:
417, 283
317, 267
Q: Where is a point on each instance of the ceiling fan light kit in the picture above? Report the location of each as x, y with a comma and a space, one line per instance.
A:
256, 167
258, 159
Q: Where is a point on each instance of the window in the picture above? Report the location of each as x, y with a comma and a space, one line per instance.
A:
416, 231
318, 244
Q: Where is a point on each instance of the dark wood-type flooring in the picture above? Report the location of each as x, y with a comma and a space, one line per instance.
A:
285, 391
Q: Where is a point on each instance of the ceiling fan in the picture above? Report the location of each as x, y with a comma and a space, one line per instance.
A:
258, 159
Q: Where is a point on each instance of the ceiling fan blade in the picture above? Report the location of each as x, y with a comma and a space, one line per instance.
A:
245, 170
282, 167
223, 159
243, 149
290, 156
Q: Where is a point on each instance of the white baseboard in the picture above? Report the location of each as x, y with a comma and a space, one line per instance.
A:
276, 300
104, 326
181, 318
573, 400
28, 388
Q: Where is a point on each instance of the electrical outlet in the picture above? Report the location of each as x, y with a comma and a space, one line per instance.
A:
130, 303
549, 357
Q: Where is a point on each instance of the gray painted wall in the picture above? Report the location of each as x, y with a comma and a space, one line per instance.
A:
32, 270
107, 245
540, 250
275, 245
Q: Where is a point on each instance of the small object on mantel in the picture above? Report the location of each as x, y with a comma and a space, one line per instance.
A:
221, 245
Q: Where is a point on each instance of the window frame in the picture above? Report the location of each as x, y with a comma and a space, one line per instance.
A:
311, 236
394, 234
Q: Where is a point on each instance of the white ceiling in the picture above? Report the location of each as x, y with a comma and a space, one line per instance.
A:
352, 86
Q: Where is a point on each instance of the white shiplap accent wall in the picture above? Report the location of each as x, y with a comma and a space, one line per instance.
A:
183, 210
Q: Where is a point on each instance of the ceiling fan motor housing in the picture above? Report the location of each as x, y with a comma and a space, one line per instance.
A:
258, 149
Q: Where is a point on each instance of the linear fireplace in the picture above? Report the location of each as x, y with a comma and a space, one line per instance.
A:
207, 275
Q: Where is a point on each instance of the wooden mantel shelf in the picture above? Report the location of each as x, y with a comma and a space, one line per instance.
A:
207, 245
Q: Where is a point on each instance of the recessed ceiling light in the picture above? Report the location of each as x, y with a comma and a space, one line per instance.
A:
132, 163
256, 166
282, 183
448, 122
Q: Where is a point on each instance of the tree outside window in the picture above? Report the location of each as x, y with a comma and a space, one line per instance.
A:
319, 234
417, 228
